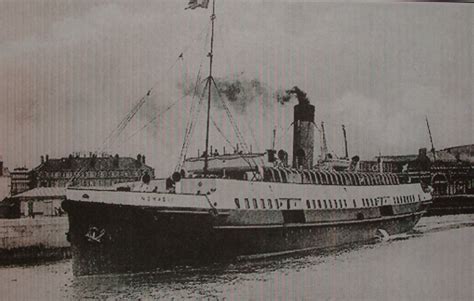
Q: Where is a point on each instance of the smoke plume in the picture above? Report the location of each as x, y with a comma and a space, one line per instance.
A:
284, 97
241, 92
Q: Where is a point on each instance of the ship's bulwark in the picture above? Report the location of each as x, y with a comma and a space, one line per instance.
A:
133, 238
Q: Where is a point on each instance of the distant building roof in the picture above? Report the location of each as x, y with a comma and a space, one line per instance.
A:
465, 153
91, 163
42, 192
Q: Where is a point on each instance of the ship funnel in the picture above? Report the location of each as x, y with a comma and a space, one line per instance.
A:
303, 132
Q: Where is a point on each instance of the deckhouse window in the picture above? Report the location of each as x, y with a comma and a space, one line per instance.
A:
314, 204
255, 205
345, 203
247, 203
237, 204
308, 204
263, 203
319, 204
355, 204
277, 204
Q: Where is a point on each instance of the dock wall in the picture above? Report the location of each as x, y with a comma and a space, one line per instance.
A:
33, 238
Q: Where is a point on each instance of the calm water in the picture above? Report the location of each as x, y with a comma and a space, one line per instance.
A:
434, 263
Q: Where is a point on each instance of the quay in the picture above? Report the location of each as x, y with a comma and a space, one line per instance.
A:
31, 239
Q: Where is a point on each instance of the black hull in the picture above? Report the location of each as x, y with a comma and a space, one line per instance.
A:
132, 238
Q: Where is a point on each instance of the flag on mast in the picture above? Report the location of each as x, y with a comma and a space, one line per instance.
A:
193, 4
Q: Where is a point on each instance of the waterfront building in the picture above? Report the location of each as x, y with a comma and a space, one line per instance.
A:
90, 170
450, 171
41, 201
20, 180
5, 181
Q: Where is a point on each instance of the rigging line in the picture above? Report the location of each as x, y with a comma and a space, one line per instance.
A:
186, 48
233, 123
117, 131
284, 134
239, 136
228, 59
230, 143
193, 116
124, 122
154, 118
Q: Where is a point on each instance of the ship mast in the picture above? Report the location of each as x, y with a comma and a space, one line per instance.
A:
324, 146
210, 79
431, 139
345, 141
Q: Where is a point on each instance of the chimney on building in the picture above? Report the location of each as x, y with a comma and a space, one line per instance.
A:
47, 158
93, 160
139, 160
303, 131
143, 159
42, 159
116, 161
1, 168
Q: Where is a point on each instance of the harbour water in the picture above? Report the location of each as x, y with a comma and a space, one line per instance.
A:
435, 262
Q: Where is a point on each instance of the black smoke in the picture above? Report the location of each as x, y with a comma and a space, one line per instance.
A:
240, 92
284, 97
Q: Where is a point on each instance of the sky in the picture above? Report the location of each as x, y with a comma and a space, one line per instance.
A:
70, 71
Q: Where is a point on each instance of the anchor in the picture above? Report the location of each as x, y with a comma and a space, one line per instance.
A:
94, 235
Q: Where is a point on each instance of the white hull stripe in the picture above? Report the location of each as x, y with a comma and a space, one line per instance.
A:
322, 224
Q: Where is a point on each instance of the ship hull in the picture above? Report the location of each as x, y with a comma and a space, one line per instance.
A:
139, 238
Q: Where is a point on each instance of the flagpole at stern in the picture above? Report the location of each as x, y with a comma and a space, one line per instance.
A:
209, 84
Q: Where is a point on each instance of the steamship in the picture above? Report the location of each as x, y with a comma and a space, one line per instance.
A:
239, 205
